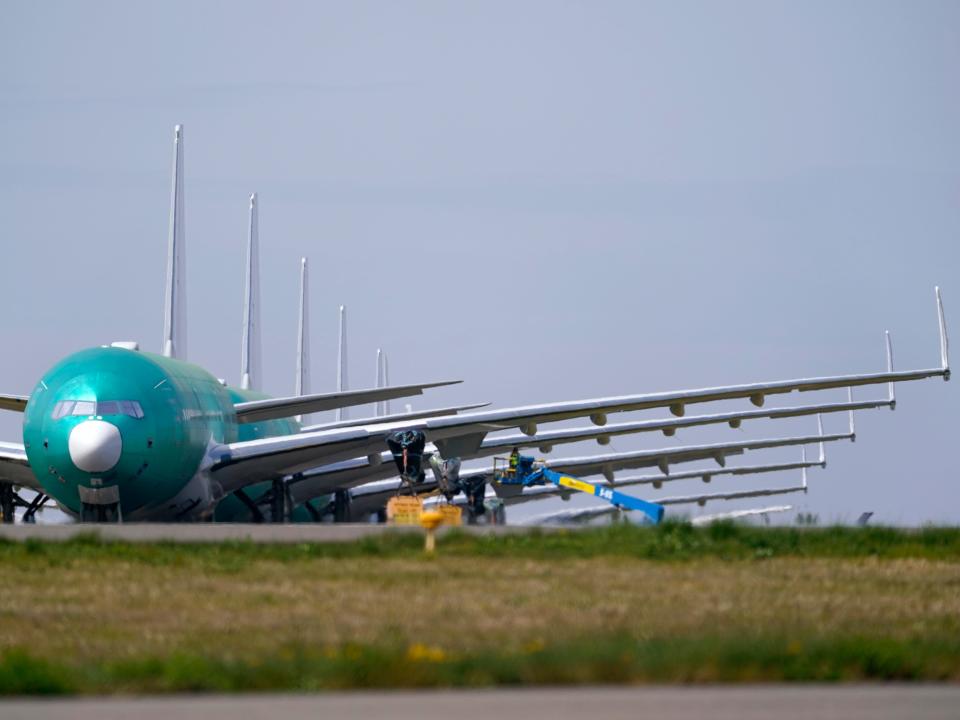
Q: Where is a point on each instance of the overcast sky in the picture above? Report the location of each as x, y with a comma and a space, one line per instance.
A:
549, 200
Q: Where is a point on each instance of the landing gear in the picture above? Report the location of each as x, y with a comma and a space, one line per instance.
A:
281, 502
30, 516
341, 506
100, 513
8, 501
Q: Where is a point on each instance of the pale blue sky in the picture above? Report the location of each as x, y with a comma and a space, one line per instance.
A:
571, 199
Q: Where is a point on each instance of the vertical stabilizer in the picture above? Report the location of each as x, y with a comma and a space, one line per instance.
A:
342, 361
303, 336
175, 296
250, 350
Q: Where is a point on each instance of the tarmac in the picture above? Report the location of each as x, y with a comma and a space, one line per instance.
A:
785, 702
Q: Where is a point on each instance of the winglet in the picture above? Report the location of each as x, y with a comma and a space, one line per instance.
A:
342, 361
175, 295
944, 343
386, 382
891, 392
250, 349
820, 432
853, 427
302, 384
378, 408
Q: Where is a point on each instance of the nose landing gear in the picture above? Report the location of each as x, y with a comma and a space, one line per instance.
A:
100, 513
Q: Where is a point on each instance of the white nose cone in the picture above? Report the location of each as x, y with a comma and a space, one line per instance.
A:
95, 446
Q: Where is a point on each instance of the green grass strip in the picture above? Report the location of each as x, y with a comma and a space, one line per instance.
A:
671, 541
608, 660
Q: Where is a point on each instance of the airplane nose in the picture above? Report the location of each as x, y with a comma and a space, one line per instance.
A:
95, 446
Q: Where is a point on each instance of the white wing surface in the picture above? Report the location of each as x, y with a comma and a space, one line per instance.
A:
14, 467
272, 408
350, 473
368, 497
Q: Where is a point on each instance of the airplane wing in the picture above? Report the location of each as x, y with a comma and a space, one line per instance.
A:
272, 408
368, 497
736, 514
350, 473
395, 417
14, 467
705, 474
17, 403
241, 463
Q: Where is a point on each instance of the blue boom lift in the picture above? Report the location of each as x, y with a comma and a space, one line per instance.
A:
523, 470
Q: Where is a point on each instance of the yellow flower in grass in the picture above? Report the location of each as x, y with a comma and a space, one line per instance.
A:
418, 652
534, 646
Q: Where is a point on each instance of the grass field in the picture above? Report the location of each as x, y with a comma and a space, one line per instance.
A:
618, 604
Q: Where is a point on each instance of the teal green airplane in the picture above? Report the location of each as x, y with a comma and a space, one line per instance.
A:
114, 433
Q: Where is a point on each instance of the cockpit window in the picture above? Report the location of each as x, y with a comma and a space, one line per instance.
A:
108, 407
86, 408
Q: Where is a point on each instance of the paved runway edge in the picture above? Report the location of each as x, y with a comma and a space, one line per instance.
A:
785, 702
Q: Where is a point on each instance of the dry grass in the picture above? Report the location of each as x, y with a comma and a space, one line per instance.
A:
109, 609
618, 605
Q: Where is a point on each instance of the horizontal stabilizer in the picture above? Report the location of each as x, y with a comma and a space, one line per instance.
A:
257, 410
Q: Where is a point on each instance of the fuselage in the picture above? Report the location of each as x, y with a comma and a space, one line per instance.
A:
133, 432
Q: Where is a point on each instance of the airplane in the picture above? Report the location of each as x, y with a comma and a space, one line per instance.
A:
115, 433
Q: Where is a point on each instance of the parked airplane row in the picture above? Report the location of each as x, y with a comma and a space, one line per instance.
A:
115, 433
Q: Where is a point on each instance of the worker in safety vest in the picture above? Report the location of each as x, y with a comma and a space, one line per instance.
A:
514, 461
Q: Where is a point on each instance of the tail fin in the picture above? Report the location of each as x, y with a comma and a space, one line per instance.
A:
342, 361
250, 350
175, 297
303, 336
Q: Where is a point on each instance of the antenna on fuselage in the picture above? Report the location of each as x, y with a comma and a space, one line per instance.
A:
175, 297
250, 348
303, 336
342, 361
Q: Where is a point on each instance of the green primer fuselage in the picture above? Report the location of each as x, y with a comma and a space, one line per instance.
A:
186, 411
